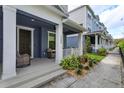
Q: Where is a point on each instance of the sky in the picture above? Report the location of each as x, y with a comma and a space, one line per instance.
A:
111, 15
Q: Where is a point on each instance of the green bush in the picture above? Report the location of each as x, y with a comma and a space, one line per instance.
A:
102, 51
94, 57
88, 45
71, 62
121, 44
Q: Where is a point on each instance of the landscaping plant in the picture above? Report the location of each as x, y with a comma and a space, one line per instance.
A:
70, 63
121, 44
88, 45
102, 51
94, 57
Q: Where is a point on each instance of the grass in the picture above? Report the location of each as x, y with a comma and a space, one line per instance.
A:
94, 56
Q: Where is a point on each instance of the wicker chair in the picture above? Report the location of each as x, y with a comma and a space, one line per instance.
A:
50, 53
22, 60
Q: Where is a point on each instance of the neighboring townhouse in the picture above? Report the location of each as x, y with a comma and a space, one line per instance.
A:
96, 30
32, 30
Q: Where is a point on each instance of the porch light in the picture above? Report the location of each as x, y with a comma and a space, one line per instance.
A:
32, 20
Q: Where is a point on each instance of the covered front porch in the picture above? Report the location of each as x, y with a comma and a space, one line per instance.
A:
72, 28
26, 33
33, 35
98, 40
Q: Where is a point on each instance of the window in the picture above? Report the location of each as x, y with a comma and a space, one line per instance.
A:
51, 40
89, 29
89, 16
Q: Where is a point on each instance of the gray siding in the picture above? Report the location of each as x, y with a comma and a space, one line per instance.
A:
37, 43
1, 35
44, 41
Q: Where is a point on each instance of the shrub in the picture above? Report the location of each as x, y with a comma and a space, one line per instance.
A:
102, 51
80, 66
121, 44
88, 45
71, 62
94, 57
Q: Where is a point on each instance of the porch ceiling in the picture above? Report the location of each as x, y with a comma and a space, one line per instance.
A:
74, 25
93, 33
27, 19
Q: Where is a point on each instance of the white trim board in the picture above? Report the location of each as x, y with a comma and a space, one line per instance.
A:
72, 35
32, 38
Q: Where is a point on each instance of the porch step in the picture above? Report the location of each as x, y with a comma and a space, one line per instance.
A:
22, 79
42, 80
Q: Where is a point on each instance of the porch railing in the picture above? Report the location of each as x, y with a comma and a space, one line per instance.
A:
71, 51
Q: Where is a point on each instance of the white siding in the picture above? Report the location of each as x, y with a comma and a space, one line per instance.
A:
79, 16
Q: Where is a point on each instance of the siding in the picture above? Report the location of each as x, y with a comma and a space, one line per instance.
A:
44, 41
37, 43
79, 16
1, 35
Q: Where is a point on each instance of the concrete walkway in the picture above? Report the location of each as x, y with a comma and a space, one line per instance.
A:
107, 74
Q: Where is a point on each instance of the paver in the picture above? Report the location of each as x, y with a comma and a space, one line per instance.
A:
107, 74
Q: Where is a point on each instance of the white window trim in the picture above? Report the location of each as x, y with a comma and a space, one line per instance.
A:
48, 37
32, 38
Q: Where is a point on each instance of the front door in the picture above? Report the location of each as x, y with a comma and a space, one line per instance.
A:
24, 41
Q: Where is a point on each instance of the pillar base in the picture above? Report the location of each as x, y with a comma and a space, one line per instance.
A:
8, 75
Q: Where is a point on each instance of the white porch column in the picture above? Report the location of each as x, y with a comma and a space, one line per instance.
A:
80, 43
59, 42
9, 42
96, 43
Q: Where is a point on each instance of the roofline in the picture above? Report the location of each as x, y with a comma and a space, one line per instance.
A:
76, 8
51, 7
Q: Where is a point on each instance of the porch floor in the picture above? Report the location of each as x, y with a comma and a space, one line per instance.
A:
38, 68
39, 64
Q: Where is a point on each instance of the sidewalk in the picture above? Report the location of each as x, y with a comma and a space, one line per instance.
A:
107, 74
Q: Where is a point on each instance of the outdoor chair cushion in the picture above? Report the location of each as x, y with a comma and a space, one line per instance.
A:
22, 60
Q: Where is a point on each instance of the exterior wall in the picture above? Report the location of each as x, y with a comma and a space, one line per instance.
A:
1, 35
41, 42
88, 20
79, 16
44, 40
37, 43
